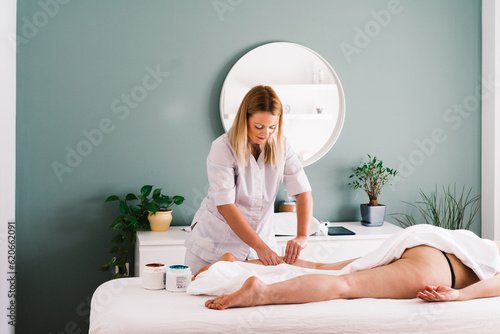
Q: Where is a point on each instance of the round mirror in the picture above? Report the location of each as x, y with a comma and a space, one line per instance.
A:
308, 87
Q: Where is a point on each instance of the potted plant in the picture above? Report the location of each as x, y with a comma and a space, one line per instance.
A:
371, 176
452, 210
158, 207
134, 216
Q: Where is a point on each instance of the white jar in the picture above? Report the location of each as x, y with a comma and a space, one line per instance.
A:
153, 276
178, 278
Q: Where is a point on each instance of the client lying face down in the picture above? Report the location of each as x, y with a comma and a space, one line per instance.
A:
421, 271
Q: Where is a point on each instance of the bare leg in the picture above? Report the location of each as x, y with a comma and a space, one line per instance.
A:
252, 293
324, 266
401, 279
299, 263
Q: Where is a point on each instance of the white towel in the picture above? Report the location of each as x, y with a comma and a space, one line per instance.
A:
227, 277
480, 255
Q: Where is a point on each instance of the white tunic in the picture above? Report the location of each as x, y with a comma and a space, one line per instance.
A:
253, 192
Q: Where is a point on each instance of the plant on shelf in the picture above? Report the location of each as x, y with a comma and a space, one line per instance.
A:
135, 216
372, 176
447, 211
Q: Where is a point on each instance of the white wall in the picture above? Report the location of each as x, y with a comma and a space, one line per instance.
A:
7, 150
490, 174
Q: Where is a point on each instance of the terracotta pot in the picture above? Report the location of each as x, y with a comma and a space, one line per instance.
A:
160, 221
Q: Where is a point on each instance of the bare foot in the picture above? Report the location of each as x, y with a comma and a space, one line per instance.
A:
226, 257
252, 293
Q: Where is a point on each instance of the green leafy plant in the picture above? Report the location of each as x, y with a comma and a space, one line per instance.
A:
447, 211
371, 176
134, 216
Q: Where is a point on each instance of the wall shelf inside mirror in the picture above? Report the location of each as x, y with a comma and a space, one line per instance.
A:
307, 116
302, 101
304, 86
305, 99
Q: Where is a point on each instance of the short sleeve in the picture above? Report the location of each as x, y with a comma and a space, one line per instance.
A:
294, 177
221, 166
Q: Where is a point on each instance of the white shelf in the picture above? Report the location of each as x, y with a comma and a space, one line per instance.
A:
304, 86
308, 116
362, 232
176, 235
290, 116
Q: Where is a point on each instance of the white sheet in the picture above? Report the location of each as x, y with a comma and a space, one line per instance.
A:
479, 254
122, 306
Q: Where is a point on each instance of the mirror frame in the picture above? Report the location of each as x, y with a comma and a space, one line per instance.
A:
248, 67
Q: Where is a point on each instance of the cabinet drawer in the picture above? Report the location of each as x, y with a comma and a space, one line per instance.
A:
168, 255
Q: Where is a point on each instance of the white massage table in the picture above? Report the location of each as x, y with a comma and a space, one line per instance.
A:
122, 306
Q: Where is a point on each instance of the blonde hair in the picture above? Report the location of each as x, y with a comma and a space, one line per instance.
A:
258, 99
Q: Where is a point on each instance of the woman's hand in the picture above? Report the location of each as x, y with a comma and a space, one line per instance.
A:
439, 294
268, 256
293, 248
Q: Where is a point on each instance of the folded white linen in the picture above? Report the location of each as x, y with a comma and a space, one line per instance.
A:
480, 255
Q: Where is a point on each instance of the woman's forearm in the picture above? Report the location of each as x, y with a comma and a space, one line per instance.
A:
304, 216
304, 212
483, 289
240, 225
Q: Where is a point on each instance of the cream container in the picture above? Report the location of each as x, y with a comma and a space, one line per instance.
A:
178, 278
153, 276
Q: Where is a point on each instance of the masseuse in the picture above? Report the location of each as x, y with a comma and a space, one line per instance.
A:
245, 168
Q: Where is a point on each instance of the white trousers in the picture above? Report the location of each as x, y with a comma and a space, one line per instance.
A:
194, 262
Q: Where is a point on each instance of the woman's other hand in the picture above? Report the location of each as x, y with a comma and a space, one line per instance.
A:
293, 249
438, 294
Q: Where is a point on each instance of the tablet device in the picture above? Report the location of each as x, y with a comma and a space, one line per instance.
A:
339, 230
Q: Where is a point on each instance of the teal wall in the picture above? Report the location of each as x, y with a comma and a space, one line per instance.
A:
416, 75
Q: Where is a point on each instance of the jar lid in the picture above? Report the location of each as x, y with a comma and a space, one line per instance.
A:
179, 269
179, 266
154, 268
